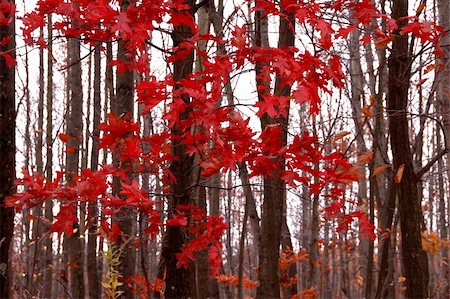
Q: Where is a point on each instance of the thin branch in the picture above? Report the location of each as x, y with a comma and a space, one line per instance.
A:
430, 164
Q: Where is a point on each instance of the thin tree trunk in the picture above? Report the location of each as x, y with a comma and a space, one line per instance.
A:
92, 266
48, 271
73, 244
443, 97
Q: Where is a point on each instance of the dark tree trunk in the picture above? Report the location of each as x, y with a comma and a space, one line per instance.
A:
92, 267
73, 244
384, 288
122, 106
48, 271
7, 152
274, 186
414, 259
177, 280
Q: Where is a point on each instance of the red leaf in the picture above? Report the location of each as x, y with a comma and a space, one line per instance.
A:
71, 150
64, 137
5, 41
123, 24
215, 261
334, 209
10, 62
73, 265
65, 220
325, 33
177, 219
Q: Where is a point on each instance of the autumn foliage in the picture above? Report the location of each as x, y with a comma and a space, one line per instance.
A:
325, 169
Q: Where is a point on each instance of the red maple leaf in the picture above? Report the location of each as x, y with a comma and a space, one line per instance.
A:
65, 220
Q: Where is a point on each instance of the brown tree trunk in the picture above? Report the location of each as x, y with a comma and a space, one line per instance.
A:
443, 97
274, 186
36, 260
7, 152
415, 262
73, 244
177, 279
122, 106
48, 213
92, 267
384, 288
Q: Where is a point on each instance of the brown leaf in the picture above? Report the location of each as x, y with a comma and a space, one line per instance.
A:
399, 174
380, 169
386, 234
428, 68
31, 217
367, 111
365, 157
341, 135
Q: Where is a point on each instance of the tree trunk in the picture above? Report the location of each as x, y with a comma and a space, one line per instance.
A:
122, 106
414, 259
72, 244
48, 271
177, 280
443, 97
92, 267
274, 186
7, 152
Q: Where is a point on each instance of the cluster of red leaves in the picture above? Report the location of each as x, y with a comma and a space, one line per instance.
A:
288, 258
139, 285
310, 293
233, 280
7, 11
207, 232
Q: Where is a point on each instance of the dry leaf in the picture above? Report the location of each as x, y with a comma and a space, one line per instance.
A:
365, 157
386, 234
380, 169
401, 279
399, 174
31, 217
340, 136
367, 111
360, 280
428, 68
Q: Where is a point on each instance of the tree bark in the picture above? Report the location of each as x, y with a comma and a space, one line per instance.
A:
72, 244
415, 262
7, 152
122, 106
274, 186
443, 97
48, 271
92, 267
177, 280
